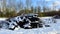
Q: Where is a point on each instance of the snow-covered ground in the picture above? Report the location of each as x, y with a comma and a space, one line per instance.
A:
3, 19
53, 29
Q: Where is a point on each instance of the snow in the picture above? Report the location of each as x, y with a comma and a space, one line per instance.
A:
53, 29
3, 19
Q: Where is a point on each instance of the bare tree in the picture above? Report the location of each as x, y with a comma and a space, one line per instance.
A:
12, 4
28, 3
20, 5
3, 5
54, 5
44, 4
38, 7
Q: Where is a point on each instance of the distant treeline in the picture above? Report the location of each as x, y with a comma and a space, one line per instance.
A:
50, 13
13, 13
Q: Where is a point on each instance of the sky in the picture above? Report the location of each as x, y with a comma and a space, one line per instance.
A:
48, 4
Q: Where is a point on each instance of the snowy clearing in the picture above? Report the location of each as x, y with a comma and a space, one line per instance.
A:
53, 29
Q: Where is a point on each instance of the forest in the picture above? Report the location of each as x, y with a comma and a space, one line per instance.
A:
12, 8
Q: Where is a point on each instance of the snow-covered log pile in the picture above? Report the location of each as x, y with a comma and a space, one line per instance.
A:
53, 29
